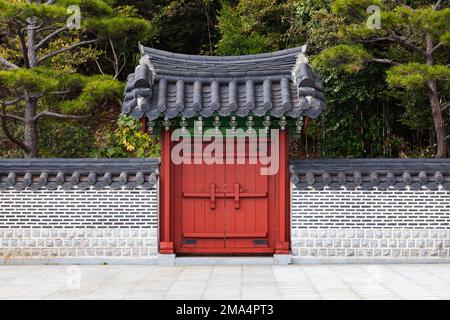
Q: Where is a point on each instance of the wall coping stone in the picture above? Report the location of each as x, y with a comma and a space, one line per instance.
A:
370, 174
83, 174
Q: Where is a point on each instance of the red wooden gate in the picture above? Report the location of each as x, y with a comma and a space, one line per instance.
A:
223, 208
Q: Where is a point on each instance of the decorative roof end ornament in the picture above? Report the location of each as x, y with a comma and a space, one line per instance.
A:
233, 124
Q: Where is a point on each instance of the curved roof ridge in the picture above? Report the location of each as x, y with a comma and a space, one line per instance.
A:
217, 59
169, 85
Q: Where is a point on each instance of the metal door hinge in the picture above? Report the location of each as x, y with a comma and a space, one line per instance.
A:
260, 241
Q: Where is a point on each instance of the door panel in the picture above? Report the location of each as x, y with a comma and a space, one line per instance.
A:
201, 212
224, 208
246, 215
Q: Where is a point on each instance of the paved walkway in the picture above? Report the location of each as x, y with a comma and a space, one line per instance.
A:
226, 282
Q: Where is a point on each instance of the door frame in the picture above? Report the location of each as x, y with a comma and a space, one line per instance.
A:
279, 202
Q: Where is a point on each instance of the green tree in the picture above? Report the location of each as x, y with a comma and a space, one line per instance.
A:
254, 26
31, 86
412, 42
127, 140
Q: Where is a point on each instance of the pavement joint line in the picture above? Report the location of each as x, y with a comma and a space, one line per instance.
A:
381, 282
421, 267
310, 282
137, 282
99, 286
346, 283
241, 282
173, 281
37, 281
276, 283
412, 280
207, 282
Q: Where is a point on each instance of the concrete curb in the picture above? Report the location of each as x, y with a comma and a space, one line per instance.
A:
390, 260
80, 261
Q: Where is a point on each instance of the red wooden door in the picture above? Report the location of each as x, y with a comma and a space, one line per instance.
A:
247, 210
201, 211
223, 208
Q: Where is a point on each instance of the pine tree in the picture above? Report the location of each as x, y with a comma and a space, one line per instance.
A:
413, 42
31, 88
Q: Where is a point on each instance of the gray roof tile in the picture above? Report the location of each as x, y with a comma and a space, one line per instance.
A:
81, 174
368, 174
170, 85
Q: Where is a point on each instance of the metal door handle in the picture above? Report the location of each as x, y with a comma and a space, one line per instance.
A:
212, 200
237, 196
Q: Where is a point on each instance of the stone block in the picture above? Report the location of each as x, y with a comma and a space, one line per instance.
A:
328, 243
281, 259
393, 243
397, 234
332, 233
350, 252
166, 260
378, 234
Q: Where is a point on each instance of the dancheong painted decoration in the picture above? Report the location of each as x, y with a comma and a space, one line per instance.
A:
224, 189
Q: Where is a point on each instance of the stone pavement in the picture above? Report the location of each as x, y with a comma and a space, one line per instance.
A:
226, 282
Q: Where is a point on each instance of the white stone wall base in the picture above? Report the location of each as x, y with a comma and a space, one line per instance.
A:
81, 261
358, 260
81, 244
166, 260
282, 259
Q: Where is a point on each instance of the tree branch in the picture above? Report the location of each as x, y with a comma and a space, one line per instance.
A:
405, 44
99, 67
437, 6
23, 45
374, 40
440, 44
11, 116
8, 64
74, 46
50, 36
385, 61
58, 115
8, 133
12, 102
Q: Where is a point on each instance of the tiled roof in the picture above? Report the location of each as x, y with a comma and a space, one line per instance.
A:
78, 173
368, 174
173, 85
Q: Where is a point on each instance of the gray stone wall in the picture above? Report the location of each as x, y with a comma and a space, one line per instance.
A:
95, 225
370, 224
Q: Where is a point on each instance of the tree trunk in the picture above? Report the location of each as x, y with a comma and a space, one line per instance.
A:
441, 139
30, 136
31, 40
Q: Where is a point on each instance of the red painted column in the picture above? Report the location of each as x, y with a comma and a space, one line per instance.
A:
144, 127
166, 237
282, 242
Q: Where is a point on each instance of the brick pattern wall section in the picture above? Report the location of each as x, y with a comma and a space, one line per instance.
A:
67, 209
370, 209
356, 223
80, 224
